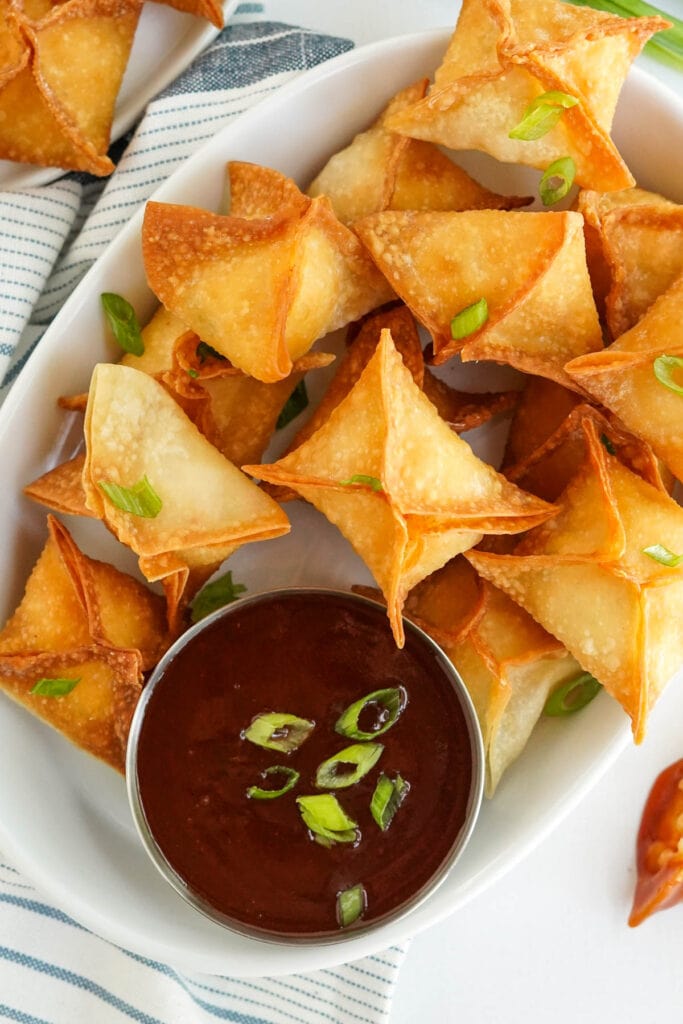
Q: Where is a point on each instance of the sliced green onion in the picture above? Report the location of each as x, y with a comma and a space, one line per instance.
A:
348, 766
54, 687
193, 373
469, 319
607, 444
292, 777
662, 555
295, 404
324, 816
542, 114
573, 696
557, 180
351, 904
664, 367
215, 595
666, 46
140, 500
360, 478
123, 322
204, 352
277, 730
388, 796
387, 705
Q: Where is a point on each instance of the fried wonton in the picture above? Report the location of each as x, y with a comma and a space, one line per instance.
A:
504, 55
241, 413
61, 66
624, 377
404, 489
530, 268
508, 663
381, 170
61, 488
212, 10
587, 579
138, 437
635, 245
547, 469
83, 620
260, 290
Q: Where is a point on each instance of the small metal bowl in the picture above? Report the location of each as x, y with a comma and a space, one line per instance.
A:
159, 858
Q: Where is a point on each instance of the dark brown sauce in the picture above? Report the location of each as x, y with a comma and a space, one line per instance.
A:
254, 860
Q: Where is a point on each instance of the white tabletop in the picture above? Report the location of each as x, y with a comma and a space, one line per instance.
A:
550, 941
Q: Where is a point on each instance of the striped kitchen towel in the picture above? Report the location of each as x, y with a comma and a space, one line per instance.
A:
52, 969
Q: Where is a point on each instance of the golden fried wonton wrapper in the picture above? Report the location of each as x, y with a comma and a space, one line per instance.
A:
261, 289
530, 268
241, 414
82, 619
405, 490
61, 488
381, 170
546, 447
503, 55
61, 66
133, 430
586, 579
635, 245
622, 377
212, 10
508, 662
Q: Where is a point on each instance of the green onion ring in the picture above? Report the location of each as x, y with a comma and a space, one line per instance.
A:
392, 701
573, 696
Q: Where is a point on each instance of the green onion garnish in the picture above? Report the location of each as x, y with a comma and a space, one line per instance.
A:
607, 444
277, 730
360, 478
388, 796
292, 777
384, 705
542, 114
573, 696
204, 352
324, 816
140, 500
666, 46
295, 404
54, 687
193, 373
215, 595
348, 766
664, 367
351, 904
557, 180
469, 319
123, 322
662, 555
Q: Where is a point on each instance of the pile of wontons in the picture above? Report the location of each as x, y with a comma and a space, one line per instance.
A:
564, 562
61, 67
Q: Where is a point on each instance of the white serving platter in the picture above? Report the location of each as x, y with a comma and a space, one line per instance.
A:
64, 818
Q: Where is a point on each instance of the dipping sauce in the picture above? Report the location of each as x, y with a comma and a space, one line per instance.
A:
254, 861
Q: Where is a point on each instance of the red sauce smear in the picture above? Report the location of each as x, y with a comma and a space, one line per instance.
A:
254, 861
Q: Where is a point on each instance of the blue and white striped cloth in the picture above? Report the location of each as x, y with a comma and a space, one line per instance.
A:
52, 970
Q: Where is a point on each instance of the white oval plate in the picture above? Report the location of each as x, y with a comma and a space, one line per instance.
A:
64, 818
166, 41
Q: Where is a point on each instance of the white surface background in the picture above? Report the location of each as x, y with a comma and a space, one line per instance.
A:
550, 941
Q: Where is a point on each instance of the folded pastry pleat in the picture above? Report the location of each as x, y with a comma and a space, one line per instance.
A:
403, 488
587, 579
504, 55
260, 288
529, 267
